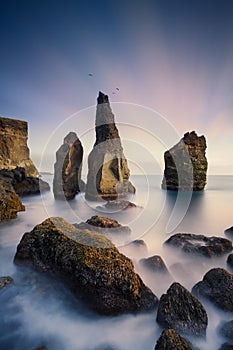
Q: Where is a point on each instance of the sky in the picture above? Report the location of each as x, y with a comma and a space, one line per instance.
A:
173, 58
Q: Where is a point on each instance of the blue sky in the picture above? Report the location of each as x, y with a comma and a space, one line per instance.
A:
173, 56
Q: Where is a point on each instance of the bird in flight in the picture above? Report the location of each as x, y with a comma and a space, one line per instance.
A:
117, 89
90, 75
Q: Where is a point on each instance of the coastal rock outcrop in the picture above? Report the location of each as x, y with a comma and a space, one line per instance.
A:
101, 224
200, 244
216, 286
89, 264
13, 145
186, 164
108, 172
67, 169
10, 203
171, 340
180, 310
154, 264
5, 281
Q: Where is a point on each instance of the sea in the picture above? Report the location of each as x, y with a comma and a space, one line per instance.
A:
37, 310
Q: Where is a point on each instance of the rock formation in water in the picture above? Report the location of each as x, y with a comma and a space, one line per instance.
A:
180, 310
5, 281
108, 172
171, 340
216, 286
10, 203
67, 169
13, 146
226, 330
186, 164
200, 244
154, 264
90, 265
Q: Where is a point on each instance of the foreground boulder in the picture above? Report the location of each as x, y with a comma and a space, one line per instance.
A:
23, 184
186, 164
171, 340
108, 172
89, 264
102, 224
216, 286
67, 169
10, 203
13, 145
200, 244
180, 310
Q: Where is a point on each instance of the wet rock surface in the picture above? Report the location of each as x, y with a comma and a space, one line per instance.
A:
171, 340
226, 330
13, 145
217, 287
230, 261
200, 244
180, 310
229, 232
102, 224
5, 281
89, 264
154, 264
108, 172
67, 169
186, 164
226, 346
119, 205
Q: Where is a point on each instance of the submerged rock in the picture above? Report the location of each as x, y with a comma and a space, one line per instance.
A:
186, 164
200, 244
216, 286
171, 340
102, 224
89, 264
155, 264
67, 169
120, 205
180, 310
5, 281
13, 145
10, 203
108, 172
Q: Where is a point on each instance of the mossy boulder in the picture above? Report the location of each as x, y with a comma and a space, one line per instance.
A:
89, 264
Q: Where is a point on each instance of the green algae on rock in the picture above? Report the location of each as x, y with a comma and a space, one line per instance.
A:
90, 265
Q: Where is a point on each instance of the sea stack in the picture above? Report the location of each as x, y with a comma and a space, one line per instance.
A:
67, 169
108, 172
186, 164
13, 145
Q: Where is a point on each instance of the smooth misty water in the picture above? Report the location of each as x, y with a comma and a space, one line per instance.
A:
38, 310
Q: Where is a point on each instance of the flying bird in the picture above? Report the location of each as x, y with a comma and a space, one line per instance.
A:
90, 75
117, 89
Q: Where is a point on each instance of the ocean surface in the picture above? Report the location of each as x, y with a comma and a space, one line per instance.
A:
38, 310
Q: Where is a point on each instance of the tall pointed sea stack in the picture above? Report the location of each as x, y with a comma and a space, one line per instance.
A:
186, 164
67, 169
108, 172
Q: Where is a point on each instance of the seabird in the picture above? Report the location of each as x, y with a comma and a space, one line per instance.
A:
90, 75
117, 89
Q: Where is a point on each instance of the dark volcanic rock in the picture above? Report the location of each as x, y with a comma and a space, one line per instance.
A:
226, 330
216, 286
186, 164
154, 263
23, 184
229, 232
230, 261
226, 346
171, 340
89, 264
102, 224
13, 145
67, 169
180, 310
10, 203
108, 172
200, 244
4, 281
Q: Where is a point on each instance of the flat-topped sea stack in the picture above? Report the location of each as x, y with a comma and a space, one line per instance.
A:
13, 145
186, 164
67, 169
108, 172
